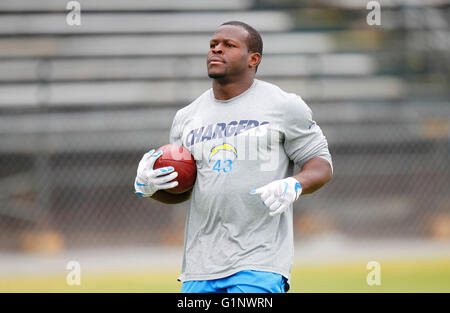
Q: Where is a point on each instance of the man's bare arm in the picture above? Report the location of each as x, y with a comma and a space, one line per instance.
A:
169, 198
314, 174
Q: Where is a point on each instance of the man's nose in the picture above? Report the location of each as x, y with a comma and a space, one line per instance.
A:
217, 50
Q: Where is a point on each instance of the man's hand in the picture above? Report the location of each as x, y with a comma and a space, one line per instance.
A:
279, 194
148, 181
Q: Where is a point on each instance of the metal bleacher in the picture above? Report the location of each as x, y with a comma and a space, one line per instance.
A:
151, 55
112, 85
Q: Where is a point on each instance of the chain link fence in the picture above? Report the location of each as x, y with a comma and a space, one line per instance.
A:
67, 167
85, 197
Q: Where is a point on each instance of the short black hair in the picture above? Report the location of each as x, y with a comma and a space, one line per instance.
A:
254, 40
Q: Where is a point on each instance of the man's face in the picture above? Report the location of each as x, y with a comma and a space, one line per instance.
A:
228, 53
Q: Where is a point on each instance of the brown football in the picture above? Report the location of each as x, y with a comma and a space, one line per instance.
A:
183, 162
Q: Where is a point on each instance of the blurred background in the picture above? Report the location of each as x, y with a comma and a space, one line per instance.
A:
80, 104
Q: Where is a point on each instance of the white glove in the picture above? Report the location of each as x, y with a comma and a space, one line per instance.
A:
148, 181
279, 195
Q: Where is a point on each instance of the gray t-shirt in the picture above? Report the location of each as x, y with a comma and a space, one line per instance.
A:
242, 144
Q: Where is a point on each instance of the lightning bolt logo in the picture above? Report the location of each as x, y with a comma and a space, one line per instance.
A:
222, 147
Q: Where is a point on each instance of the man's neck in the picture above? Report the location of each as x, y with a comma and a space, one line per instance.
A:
227, 90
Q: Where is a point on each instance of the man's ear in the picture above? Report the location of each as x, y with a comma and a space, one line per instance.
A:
254, 59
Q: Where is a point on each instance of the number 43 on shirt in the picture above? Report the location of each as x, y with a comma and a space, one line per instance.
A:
224, 166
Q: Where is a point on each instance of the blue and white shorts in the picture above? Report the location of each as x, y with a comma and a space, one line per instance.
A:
247, 281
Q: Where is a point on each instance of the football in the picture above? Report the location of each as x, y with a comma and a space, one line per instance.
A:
183, 162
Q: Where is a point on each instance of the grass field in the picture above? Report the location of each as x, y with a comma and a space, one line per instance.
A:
396, 276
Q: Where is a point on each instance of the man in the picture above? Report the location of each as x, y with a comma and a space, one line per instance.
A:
246, 135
